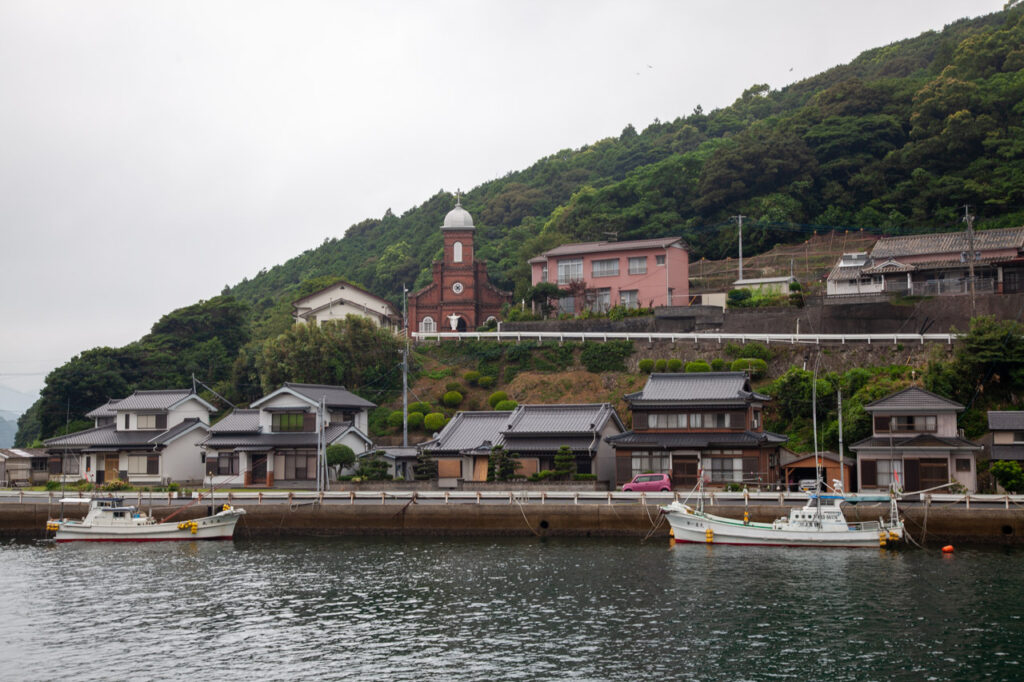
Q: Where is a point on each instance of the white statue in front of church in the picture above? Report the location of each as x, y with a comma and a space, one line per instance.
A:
453, 319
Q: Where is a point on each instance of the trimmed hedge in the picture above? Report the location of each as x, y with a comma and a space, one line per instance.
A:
756, 367
645, 366
506, 405
433, 422
698, 366
497, 397
452, 398
675, 364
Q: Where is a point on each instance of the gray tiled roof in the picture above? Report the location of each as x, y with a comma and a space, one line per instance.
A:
547, 419
1006, 420
107, 409
696, 387
913, 398
582, 248
109, 438
947, 242
469, 431
267, 441
735, 439
153, 400
336, 396
238, 420
926, 441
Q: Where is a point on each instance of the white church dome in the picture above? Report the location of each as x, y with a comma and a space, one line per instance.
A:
458, 217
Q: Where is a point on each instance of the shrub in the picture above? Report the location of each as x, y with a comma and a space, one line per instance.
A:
395, 418
675, 364
341, 456
1008, 474
698, 366
660, 365
584, 477
373, 468
425, 468
433, 422
565, 462
116, 484
756, 367
738, 298
543, 474
452, 398
717, 365
472, 377
415, 420
485, 382
497, 397
453, 386
419, 406
52, 485
645, 366
609, 356
795, 286
506, 405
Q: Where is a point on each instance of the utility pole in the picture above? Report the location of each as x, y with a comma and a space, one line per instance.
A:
739, 221
405, 370
969, 219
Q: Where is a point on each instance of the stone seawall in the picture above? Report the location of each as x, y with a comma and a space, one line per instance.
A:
937, 524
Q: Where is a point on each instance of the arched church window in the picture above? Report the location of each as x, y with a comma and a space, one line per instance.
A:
427, 325
457, 252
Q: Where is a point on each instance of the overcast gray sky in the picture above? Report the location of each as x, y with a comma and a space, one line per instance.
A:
152, 152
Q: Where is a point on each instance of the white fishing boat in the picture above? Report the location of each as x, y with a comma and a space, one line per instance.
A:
110, 520
813, 525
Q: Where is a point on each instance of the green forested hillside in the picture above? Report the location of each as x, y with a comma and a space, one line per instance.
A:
896, 141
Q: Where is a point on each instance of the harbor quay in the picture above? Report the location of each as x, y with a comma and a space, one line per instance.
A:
980, 519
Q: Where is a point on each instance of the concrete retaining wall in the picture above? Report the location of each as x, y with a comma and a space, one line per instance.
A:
944, 524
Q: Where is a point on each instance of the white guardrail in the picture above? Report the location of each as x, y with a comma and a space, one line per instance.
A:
693, 337
473, 497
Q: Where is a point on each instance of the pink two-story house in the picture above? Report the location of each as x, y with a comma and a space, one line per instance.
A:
646, 272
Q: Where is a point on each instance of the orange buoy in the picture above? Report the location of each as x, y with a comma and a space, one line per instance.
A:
948, 549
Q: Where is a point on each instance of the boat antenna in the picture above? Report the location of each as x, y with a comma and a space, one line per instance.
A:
842, 460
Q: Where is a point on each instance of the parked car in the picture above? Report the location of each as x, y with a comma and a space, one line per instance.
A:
807, 485
649, 483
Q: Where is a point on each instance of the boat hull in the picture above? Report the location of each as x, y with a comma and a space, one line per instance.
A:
220, 526
689, 525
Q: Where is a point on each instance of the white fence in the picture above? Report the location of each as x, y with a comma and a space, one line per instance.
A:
691, 337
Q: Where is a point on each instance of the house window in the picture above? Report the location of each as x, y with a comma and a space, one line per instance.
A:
567, 305
39, 464
427, 325
544, 272
227, 465
602, 300
144, 465
606, 268
888, 470
1018, 436
726, 469
696, 420
300, 467
963, 464
570, 270
629, 298
659, 260
71, 465
151, 421
457, 252
717, 420
638, 265
651, 462
904, 423
127, 421
287, 421
755, 422
666, 421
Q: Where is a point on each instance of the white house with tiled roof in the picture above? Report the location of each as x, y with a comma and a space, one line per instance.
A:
915, 444
934, 264
148, 439
533, 434
639, 273
274, 441
341, 299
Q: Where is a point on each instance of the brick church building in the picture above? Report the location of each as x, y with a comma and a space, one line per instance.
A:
460, 297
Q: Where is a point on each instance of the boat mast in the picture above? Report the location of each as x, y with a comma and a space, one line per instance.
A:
842, 460
814, 428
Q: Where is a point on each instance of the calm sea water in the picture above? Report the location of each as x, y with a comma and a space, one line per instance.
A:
508, 609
